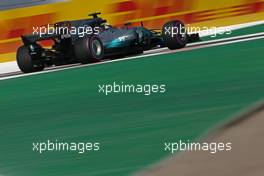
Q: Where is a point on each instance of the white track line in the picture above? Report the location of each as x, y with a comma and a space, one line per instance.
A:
245, 25
156, 52
8, 67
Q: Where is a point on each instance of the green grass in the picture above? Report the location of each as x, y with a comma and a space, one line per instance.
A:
204, 87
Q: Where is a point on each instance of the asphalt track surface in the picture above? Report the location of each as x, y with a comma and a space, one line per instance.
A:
193, 46
245, 132
205, 87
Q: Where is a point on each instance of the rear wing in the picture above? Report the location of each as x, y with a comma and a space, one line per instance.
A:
31, 39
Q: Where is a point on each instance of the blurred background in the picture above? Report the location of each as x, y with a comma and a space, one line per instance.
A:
18, 17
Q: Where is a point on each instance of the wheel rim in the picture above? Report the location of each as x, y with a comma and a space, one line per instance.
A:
96, 48
183, 33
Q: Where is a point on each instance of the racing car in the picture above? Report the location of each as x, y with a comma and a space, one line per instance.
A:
101, 41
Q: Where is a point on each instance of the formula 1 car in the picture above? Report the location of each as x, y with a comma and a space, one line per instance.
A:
97, 41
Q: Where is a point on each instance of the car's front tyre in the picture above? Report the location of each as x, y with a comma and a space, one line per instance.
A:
174, 34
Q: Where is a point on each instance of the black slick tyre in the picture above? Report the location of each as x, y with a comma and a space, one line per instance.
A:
89, 49
25, 61
174, 34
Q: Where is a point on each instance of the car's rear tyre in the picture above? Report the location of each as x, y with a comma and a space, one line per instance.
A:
82, 50
174, 34
96, 48
89, 49
25, 62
